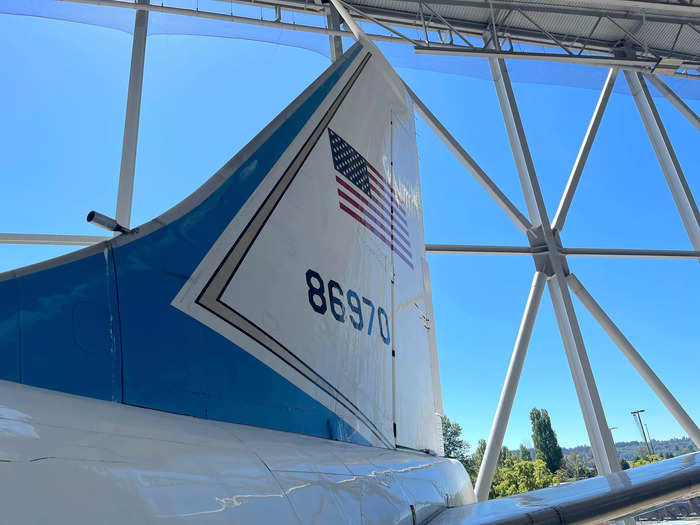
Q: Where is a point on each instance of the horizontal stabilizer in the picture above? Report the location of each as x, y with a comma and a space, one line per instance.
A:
632, 493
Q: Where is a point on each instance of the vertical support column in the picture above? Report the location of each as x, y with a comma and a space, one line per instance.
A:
510, 386
335, 42
667, 157
599, 434
125, 191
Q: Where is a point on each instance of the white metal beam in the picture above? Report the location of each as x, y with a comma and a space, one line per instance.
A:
518, 142
43, 238
125, 191
481, 249
468, 162
602, 444
670, 166
590, 60
673, 406
474, 249
575, 176
348, 19
601, 441
674, 99
627, 252
510, 386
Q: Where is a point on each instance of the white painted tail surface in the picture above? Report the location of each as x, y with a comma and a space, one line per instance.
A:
322, 276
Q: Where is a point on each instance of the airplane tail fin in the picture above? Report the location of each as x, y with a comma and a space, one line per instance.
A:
290, 291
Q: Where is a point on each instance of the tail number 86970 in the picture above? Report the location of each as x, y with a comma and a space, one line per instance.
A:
317, 300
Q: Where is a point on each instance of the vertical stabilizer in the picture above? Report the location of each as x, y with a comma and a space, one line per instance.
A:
288, 292
320, 275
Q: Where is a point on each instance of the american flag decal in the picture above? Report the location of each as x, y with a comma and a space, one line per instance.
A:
366, 197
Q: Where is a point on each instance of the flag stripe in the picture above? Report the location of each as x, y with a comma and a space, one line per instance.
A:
381, 187
379, 210
400, 235
364, 201
383, 195
379, 196
386, 206
388, 190
371, 228
394, 241
361, 198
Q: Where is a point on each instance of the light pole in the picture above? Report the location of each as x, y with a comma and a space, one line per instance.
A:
638, 419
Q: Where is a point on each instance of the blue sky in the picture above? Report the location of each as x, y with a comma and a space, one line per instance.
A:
62, 106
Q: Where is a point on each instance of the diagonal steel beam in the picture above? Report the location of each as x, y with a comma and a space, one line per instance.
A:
450, 26
674, 99
519, 145
663, 393
666, 155
602, 444
357, 31
550, 35
468, 162
575, 176
510, 386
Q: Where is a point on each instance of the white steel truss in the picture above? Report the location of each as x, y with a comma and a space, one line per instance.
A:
544, 246
556, 269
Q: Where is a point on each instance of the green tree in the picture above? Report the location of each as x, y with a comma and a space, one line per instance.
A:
545, 439
649, 458
506, 457
522, 476
455, 447
642, 451
624, 464
479, 453
525, 453
574, 467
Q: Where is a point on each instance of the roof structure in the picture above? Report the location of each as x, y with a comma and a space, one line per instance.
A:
645, 35
652, 35
658, 34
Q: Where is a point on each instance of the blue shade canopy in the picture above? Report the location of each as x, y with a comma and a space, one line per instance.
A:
660, 36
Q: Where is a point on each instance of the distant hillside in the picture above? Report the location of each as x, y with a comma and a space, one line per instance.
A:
631, 449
